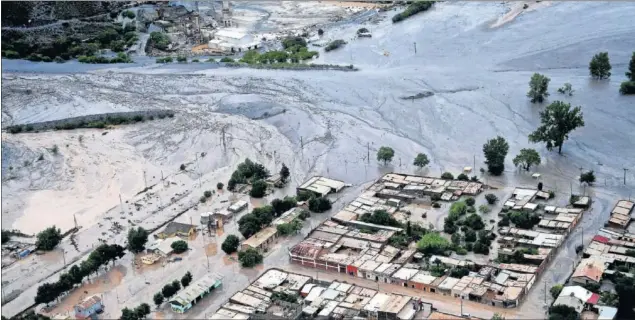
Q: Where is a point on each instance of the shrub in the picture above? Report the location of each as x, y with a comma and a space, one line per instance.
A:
304, 214
412, 9
436, 205
181, 59
523, 219
588, 177
484, 209
334, 45
179, 246
552, 194
491, 198
471, 209
227, 59
195, 60
380, 217
159, 40
320, 32
447, 176
289, 228
474, 178
182, 167
165, 60
362, 30
220, 186
48, 239
231, 243
481, 248
470, 201
207, 194
128, 14
461, 251
463, 177
202, 199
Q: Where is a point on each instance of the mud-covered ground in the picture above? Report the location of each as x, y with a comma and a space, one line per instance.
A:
316, 122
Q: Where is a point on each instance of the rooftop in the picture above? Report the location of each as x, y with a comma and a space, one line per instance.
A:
322, 185
174, 227
195, 290
261, 237
590, 268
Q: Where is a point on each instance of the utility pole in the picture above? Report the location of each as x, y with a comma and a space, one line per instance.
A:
625, 169
121, 203
415, 47
545, 292
64, 257
368, 152
461, 306
571, 187
145, 182
399, 162
474, 166
75, 219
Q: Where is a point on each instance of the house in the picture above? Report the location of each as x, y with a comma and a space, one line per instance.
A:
589, 299
237, 206
176, 229
321, 186
89, 308
233, 40
162, 247
185, 299
606, 313
275, 181
588, 271
570, 301
262, 240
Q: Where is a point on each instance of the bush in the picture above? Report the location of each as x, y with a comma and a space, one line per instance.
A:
481, 248
249, 258
181, 59
304, 214
461, 251
413, 8
202, 199
627, 87
436, 205
195, 60
179, 246
258, 189
491, 198
220, 186
362, 30
289, 228
470, 201
231, 243
334, 45
9, 54
523, 219
447, 176
165, 60
227, 59
463, 177
207, 194
380, 217
128, 14
471, 209
484, 209
182, 167
304, 196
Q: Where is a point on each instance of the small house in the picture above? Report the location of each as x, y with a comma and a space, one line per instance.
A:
177, 229
185, 299
89, 308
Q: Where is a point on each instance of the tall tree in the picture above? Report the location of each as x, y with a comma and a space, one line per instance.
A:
421, 160
284, 173
495, 151
385, 154
538, 85
557, 121
48, 238
527, 158
137, 239
186, 279
142, 311
600, 67
231, 243
158, 299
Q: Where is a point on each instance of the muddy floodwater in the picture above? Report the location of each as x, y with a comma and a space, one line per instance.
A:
317, 123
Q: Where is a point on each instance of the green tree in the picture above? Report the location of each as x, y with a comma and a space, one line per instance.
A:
563, 312
284, 205
385, 154
46, 293
186, 279
128, 314
158, 299
284, 173
497, 316
588, 177
176, 285
555, 290
600, 67
627, 87
433, 243
142, 311
538, 86
421, 160
249, 225
527, 158
137, 239
231, 243
495, 151
258, 189
474, 221
249, 258
179, 246
380, 217
524, 219
557, 121
6, 236
289, 228
491, 198
319, 205
48, 238
447, 176
470, 235
630, 74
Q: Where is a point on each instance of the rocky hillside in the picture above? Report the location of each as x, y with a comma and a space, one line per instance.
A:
37, 13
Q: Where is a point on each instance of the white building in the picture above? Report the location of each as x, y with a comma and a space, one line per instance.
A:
228, 39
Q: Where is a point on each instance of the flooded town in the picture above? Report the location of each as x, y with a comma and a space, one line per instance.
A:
318, 160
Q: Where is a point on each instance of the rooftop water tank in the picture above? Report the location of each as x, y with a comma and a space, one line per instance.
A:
205, 217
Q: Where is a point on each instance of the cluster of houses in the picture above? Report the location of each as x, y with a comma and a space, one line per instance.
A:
319, 299
607, 254
343, 243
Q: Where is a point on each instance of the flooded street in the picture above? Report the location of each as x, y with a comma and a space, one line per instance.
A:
317, 123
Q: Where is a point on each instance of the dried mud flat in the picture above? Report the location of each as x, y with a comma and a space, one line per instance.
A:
321, 122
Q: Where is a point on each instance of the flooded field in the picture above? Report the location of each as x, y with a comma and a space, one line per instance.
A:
332, 122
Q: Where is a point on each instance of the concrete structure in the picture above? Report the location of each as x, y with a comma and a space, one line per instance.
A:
233, 40
321, 186
238, 206
177, 229
588, 271
89, 308
262, 240
185, 299
162, 247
